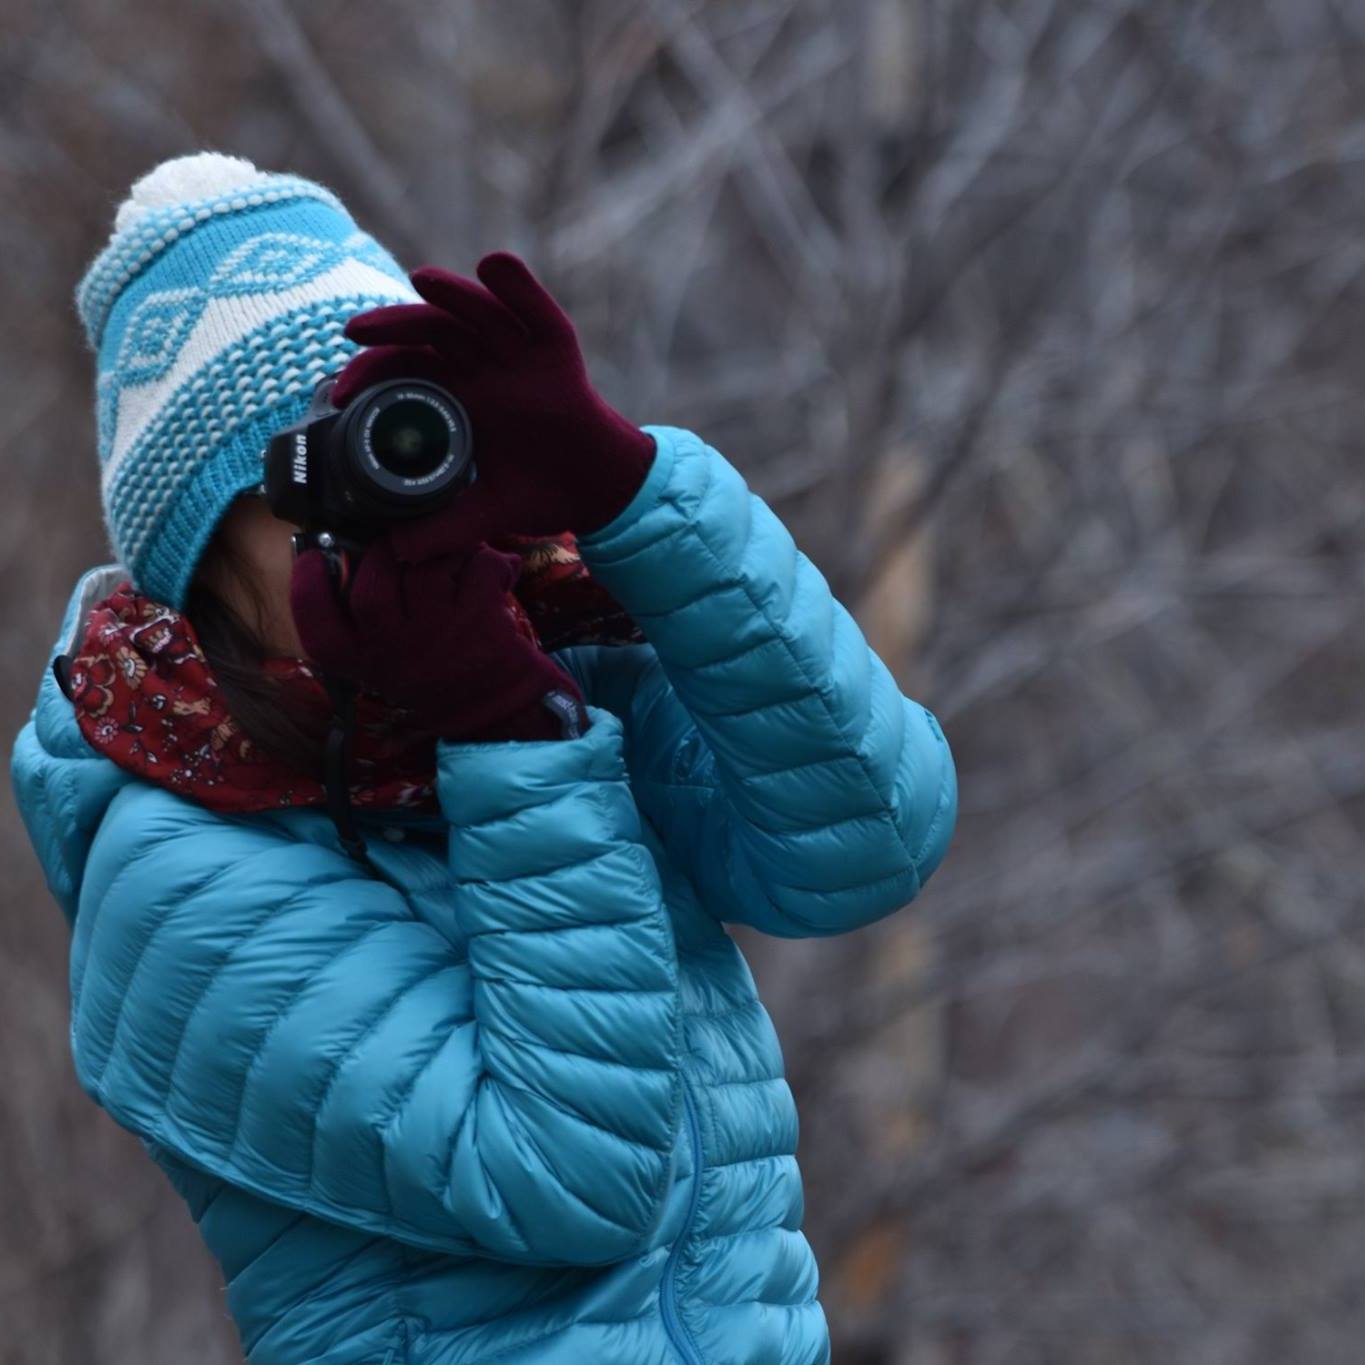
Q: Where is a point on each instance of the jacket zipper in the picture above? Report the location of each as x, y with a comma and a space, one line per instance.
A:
678, 1334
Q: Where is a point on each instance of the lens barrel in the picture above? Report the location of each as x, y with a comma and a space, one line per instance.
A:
397, 450
402, 445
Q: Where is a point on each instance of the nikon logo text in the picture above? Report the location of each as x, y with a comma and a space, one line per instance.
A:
300, 462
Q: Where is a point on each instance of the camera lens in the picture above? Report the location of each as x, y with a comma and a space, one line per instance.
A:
410, 437
397, 449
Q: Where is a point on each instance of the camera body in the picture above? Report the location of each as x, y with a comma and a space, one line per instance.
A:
398, 450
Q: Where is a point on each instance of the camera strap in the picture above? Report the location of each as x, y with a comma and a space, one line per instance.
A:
337, 751
337, 769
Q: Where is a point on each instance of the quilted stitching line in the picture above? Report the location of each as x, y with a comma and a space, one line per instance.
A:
696, 526
820, 827
770, 705
532, 876
940, 812
267, 910
400, 1103
442, 1040
523, 1040
504, 1351
223, 1186
735, 1234
520, 1120
730, 658
284, 1232
332, 1271
153, 931
467, 1116
510, 932
259, 1050
493, 978
845, 887
764, 1303
502, 1091
742, 1007
385, 1010
786, 1158
571, 789
90, 920
794, 768
511, 1087
767, 1229
719, 1083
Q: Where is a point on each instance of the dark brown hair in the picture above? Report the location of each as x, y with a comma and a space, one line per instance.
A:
236, 652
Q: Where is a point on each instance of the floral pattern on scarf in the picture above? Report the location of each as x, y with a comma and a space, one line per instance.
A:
145, 695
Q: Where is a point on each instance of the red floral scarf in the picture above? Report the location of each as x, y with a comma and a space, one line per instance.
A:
145, 695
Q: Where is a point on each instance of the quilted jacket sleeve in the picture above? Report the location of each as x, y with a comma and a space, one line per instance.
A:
503, 1085
768, 744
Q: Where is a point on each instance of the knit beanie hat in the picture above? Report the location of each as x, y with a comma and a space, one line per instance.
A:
214, 310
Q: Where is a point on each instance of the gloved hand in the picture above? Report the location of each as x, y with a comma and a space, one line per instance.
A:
437, 638
550, 455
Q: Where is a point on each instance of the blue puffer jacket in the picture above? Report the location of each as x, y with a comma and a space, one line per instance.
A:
516, 1101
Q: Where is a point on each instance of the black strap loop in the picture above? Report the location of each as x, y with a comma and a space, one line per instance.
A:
337, 769
61, 668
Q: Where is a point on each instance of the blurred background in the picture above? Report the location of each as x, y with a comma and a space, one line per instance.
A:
1038, 322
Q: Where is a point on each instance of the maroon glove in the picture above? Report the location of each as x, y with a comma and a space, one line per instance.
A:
550, 455
437, 638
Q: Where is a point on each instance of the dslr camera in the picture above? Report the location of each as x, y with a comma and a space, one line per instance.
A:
398, 450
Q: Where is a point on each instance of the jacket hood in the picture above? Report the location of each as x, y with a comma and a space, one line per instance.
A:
62, 785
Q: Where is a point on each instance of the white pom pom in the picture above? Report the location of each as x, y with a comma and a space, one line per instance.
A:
183, 179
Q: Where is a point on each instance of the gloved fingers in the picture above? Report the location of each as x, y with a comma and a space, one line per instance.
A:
378, 595
326, 631
509, 278
489, 572
455, 529
467, 587
379, 364
474, 305
411, 324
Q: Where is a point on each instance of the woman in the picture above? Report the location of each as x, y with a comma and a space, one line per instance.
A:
499, 1088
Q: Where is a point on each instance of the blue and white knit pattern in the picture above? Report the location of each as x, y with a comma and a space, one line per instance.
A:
213, 319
